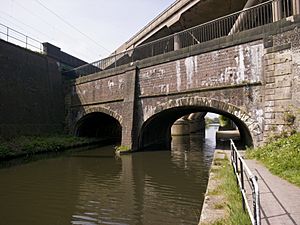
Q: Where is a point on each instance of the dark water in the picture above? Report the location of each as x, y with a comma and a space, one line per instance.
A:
94, 187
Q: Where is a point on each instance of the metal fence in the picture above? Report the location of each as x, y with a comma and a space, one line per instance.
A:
243, 174
10, 35
245, 19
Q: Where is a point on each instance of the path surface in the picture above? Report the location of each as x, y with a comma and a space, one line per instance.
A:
280, 200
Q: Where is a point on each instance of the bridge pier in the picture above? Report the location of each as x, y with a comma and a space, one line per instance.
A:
129, 109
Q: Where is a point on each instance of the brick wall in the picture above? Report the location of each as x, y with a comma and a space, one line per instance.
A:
31, 98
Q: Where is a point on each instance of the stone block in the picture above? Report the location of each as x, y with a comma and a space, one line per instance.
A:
270, 68
270, 91
269, 73
270, 80
269, 115
270, 86
283, 58
283, 103
270, 56
282, 68
270, 103
283, 81
283, 93
269, 109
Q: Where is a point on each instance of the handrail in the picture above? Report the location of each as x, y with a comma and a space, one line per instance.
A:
241, 169
16, 37
255, 16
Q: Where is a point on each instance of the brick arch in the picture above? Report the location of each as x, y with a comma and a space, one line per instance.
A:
84, 114
104, 110
252, 124
155, 130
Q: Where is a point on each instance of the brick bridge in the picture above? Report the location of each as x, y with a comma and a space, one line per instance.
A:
251, 77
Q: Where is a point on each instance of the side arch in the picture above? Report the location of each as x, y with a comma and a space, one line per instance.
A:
98, 122
161, 117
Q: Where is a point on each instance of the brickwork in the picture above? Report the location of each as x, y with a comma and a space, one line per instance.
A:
253, 82
230, 66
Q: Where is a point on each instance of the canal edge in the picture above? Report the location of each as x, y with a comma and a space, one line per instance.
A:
210, 213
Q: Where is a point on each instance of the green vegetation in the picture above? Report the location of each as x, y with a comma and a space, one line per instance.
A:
209, 121
29, 145
122, 149
231, 196
281, 157
224, 121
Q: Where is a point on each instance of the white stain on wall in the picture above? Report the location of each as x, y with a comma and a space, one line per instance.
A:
241, 65
110, 84
178, 75
256, 62
189, 66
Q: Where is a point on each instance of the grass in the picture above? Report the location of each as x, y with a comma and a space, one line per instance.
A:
281, 157
29, 145
236, 214
232, 199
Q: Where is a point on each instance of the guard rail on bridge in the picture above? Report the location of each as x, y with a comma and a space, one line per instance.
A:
10, 35
258, 15
243, 174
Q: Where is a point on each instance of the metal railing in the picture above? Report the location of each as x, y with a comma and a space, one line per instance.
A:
245, 19
10, 35
243, 174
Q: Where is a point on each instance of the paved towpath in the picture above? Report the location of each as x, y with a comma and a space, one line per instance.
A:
280, 200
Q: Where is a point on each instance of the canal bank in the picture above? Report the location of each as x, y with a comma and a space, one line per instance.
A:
223, 202
32, 145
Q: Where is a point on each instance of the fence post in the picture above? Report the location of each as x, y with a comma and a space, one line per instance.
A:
242, 181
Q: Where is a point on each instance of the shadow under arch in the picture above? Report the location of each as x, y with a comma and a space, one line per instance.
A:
155, 133
96, 123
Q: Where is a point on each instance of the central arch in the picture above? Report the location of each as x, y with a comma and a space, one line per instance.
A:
155, 132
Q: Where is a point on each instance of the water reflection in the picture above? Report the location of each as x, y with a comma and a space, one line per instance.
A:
95, 187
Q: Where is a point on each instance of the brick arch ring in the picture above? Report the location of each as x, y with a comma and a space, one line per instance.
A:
252, 124
100, 109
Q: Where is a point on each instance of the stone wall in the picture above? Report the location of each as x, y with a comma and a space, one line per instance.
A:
282, 75
31, 98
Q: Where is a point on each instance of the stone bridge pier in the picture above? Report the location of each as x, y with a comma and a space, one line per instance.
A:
252, 78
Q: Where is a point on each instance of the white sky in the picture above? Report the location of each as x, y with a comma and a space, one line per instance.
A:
108, 22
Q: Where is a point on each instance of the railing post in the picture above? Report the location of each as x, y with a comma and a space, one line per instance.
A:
26, 40
177, 43
296, 7
242, 181
277, 10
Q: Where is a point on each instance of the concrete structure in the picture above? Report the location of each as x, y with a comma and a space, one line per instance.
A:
250, 77
181, 15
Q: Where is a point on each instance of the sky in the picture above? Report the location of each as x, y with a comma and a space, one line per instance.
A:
87, 29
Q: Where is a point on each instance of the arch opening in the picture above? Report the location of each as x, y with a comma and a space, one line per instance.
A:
99, 125
155, 133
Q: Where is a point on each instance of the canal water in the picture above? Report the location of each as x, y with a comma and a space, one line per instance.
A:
95, 187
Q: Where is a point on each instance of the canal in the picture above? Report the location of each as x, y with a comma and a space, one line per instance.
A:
96, 187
